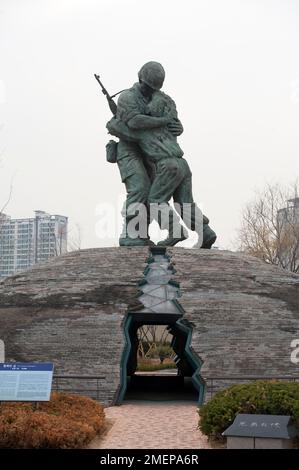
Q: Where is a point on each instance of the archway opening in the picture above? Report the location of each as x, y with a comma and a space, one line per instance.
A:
154, 350
158, 364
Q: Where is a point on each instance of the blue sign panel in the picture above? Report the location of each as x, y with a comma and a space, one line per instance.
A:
25, 381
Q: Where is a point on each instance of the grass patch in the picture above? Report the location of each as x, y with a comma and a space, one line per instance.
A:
147, 366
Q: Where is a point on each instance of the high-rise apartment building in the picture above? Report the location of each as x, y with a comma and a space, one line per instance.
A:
25, 242
288, 231
290, 214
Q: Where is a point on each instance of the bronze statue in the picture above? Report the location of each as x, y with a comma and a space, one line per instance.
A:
151, 161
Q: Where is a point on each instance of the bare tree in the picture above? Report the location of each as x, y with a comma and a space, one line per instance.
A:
154, 337
6, 201
59, 240
75, 238
8, 198
270, 227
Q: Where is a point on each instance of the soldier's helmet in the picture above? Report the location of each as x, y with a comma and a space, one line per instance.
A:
153, 74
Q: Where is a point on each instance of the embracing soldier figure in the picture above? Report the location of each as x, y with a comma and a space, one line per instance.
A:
150, 161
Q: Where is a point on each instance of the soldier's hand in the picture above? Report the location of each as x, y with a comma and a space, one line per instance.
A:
168, 118
175, 128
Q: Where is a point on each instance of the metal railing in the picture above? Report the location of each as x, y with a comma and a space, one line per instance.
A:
213, 386
65, 383
90, 385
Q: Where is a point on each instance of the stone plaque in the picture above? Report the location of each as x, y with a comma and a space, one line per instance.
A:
267, 426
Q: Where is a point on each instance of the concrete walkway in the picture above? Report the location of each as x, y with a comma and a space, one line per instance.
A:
148, 425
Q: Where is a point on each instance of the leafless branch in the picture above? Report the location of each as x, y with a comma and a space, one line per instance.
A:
2, 209
270, 227
75, 238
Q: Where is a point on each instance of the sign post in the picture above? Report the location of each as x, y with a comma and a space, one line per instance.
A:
26, 381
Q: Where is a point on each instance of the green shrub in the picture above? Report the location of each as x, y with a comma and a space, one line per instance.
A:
260, 397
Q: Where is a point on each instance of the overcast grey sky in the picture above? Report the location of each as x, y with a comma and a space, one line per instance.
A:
232, 67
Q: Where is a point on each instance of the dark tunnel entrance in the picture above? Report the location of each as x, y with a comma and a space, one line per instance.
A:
173, 371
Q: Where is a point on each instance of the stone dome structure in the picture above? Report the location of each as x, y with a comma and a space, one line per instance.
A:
73, 310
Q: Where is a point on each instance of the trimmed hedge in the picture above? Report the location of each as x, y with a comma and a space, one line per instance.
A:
260, 397
67, 421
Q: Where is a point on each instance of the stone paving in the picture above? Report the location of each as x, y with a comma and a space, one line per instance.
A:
147, 425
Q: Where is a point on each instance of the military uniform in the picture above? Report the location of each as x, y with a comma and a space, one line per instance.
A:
133, 170
170, 173
163, 173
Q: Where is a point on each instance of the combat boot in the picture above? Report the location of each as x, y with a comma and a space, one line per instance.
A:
172, 239
209, 237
